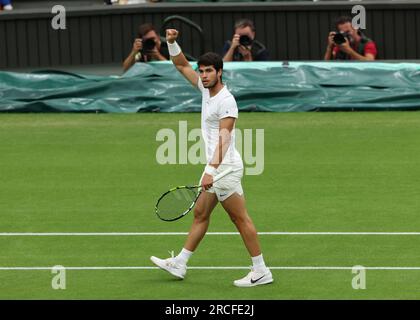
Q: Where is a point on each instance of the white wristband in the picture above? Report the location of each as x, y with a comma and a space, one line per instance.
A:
174, 49
210, 170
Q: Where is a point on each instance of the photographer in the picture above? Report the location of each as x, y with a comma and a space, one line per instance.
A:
147, 47
243, 46
348, 43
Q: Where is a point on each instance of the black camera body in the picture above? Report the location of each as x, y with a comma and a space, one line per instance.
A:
340, 38
148, 45
245, 40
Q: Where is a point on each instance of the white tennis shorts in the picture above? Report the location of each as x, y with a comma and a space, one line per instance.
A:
229, 184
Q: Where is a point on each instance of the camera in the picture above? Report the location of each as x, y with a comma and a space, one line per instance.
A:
245, 40
149, 44
340, 38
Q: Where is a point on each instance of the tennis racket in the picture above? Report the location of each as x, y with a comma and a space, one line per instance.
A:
178, 201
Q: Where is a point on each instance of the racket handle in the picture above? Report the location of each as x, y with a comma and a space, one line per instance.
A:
220, 176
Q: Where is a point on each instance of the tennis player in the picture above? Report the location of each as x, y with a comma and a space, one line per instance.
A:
218, 115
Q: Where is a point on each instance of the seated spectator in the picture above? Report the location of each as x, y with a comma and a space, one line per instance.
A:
6, 5
146, 47
352, 44
244, 46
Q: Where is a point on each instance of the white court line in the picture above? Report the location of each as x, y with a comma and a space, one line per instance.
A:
211, 268
44, 234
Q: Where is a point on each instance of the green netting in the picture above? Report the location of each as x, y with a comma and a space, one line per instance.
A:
257, 86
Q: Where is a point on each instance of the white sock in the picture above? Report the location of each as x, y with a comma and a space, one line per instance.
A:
258, 263
183, 256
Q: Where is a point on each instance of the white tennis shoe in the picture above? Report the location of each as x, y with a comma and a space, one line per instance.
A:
171, 265
255, 278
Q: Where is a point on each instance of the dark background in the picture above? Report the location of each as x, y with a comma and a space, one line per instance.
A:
100, 34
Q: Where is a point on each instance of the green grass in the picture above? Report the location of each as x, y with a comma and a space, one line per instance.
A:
345, 172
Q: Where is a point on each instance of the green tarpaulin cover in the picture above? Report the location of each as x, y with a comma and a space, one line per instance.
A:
257, 86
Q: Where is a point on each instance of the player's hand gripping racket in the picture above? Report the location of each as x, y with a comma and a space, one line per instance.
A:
178, 201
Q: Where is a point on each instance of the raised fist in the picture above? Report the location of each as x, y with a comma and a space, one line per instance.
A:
171, 35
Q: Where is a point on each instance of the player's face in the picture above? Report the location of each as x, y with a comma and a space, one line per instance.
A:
209, 76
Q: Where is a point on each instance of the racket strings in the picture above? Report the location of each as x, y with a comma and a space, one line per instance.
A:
175, 203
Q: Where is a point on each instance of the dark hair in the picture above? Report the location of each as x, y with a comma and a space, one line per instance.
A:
211, 59
243, 23
145, 28
342, 20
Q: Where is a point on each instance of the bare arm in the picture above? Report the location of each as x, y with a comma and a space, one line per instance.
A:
181, 63
131, 59
155, 54
235, 43
229, 55
329, 53
225, 129
356, 56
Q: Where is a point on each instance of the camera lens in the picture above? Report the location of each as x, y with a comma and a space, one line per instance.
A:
148, 44
339, 38
245, 40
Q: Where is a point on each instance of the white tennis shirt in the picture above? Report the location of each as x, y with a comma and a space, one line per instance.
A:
213, 109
